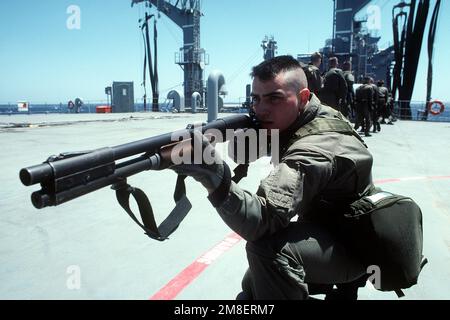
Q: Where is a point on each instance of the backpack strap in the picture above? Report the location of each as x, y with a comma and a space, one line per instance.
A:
322, 125
399, 292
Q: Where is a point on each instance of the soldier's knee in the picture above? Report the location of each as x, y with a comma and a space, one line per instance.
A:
273, 262
260, 248
246, 283
273, 254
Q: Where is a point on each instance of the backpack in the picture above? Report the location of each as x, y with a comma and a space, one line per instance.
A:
309, 72
386, 231
383, 229
313, 84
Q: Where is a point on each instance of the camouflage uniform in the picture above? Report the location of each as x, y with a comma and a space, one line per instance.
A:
334, 90
363, 105
286, 256
314, 78
383, 99
376, 112
349, 107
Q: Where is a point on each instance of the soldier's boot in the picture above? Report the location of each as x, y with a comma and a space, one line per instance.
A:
246, 285
347, 291
315, 289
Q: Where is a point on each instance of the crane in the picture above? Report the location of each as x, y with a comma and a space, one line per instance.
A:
191, 58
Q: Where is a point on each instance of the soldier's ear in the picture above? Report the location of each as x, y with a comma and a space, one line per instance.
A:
304, 96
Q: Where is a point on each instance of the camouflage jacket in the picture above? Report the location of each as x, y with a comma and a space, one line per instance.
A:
333, 164
334, 88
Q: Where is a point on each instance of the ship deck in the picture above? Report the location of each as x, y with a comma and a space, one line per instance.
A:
90, 249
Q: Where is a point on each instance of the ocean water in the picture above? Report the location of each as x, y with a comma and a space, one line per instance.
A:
47, 108
9, 109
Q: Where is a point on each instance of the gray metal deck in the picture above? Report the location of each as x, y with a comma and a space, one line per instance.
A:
43, 253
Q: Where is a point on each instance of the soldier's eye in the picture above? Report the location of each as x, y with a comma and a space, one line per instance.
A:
274, 99
255, 100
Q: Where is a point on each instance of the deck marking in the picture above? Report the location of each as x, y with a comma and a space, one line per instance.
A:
190, 273
185, 277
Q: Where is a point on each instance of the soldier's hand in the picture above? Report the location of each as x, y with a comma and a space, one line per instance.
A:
205, 166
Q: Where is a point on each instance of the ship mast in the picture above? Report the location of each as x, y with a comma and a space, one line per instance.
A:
191, 57
270, 47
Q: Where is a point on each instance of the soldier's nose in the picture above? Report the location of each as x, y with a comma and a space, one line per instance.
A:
262, 112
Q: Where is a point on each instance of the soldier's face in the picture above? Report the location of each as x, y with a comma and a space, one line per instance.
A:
276, 104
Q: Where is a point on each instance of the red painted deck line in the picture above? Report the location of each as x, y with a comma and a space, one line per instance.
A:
185, 277
190, 273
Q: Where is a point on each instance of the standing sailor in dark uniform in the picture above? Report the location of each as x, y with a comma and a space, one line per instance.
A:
313, 75
334, 89
363, 104
375, 114
348, 109
383, 99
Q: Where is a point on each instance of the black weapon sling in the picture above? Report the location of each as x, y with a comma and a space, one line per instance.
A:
173, 220
170, 224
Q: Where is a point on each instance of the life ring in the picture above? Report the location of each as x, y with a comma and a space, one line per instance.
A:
70, 104
432, 111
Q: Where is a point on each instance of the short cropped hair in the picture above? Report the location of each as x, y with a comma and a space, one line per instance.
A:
315, 57
346, 66
269, 69
366, 79
333, 61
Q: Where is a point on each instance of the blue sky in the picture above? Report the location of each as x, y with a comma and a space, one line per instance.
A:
41, 60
